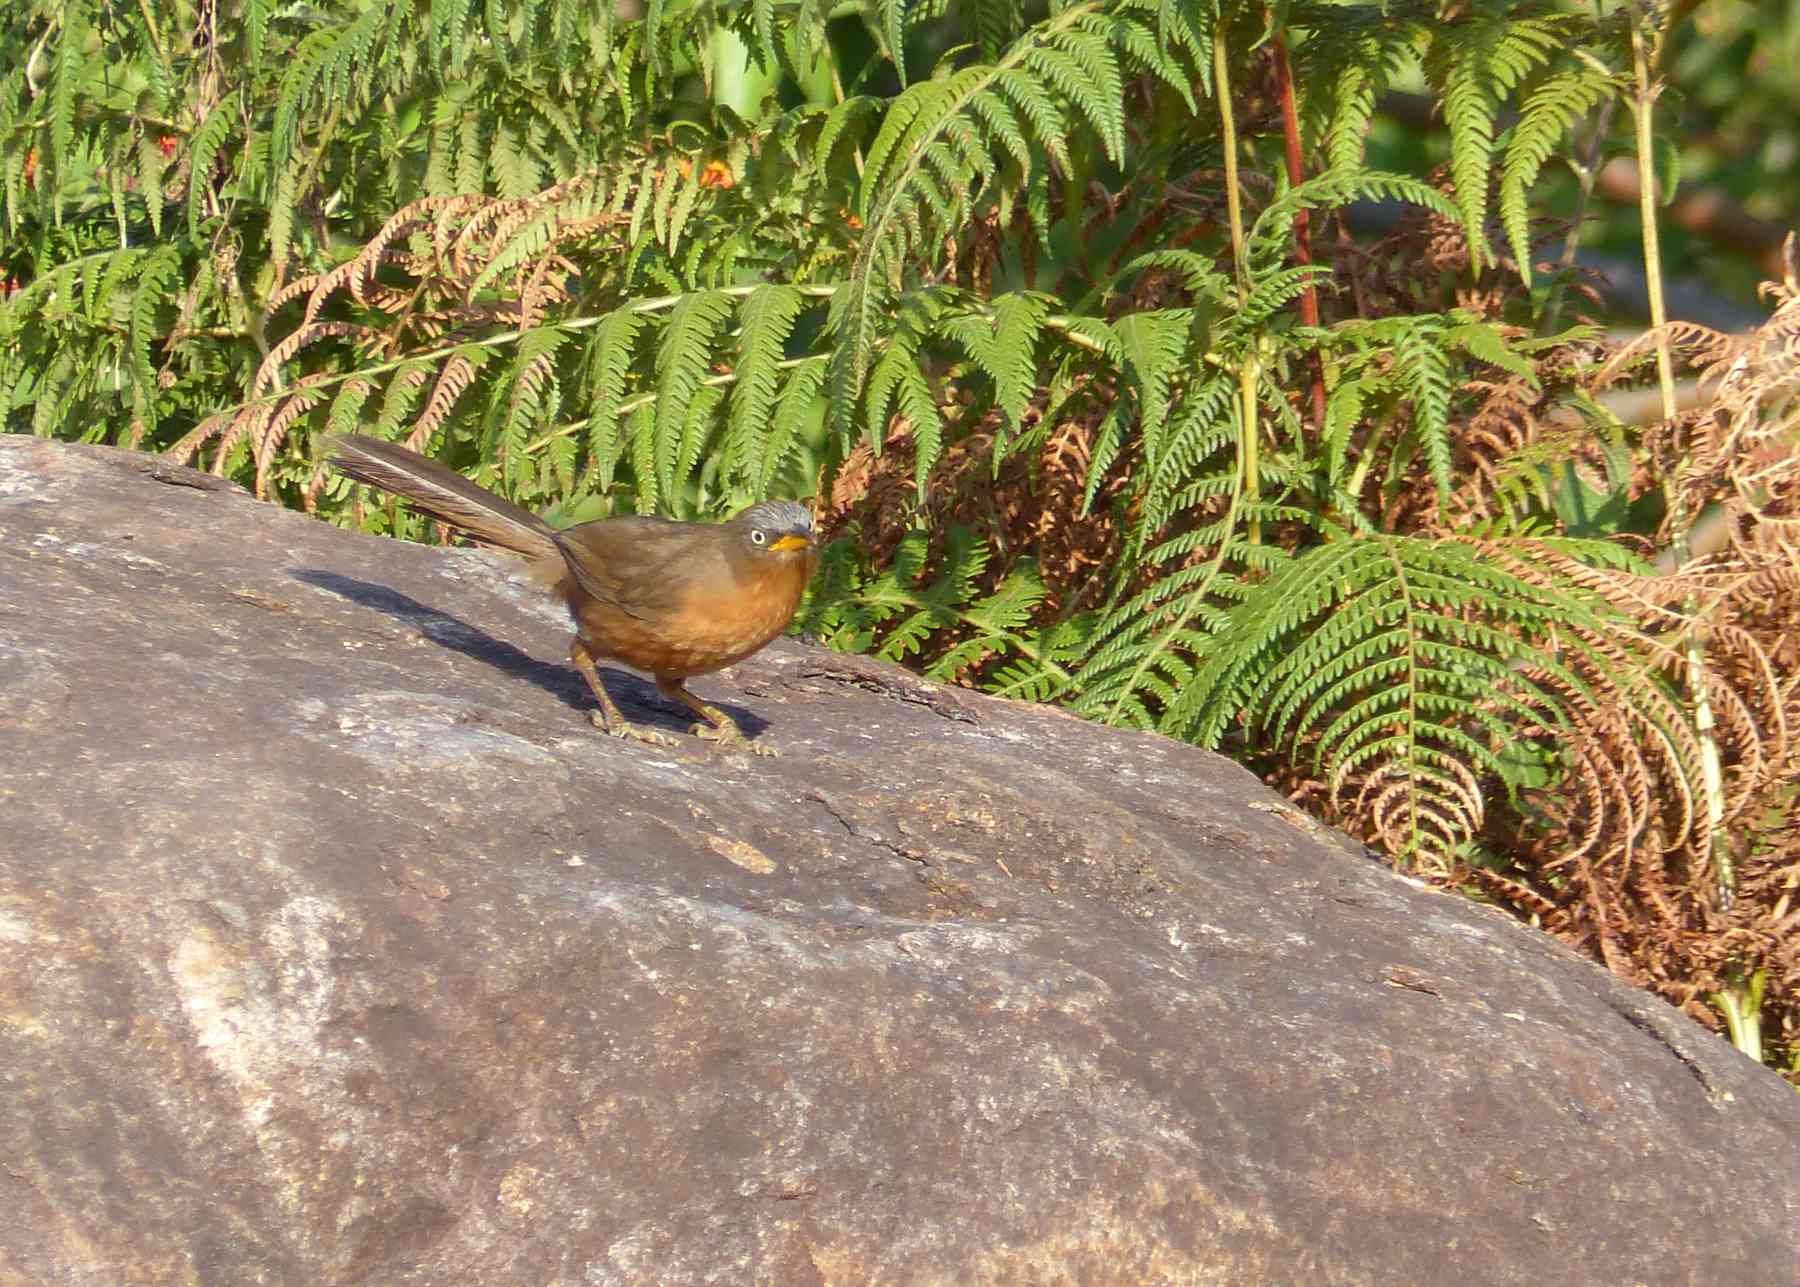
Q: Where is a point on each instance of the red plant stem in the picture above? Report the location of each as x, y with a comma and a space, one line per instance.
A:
1296, 173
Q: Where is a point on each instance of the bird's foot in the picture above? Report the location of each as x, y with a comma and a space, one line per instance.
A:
635, 732
730, 737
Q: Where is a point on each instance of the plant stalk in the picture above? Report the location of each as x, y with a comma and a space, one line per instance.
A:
1741, 1003
1250, 466
1296, 174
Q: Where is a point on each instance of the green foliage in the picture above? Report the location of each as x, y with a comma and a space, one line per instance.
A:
1406, 670
649, 265
897, 613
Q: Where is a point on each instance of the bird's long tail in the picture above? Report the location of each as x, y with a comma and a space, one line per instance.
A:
444, 494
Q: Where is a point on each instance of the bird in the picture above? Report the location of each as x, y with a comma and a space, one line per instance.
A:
671, 599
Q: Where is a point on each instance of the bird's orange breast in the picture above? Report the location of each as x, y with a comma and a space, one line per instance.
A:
716, 621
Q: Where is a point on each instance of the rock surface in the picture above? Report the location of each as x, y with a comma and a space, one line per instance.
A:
336, 947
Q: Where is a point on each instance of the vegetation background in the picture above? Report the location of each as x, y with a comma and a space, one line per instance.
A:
1297, 379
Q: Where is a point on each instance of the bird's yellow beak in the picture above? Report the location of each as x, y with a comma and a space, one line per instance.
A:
792, 541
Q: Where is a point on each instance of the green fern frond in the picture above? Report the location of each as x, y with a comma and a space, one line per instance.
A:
203, 153
1153, 343
1003, 342
1175, 446
1403, 668
696, 434
1359, 60
1425, 367
996, 620
1141, 652
1487, 343
897, 385
912, 190
1480, 60
1544, 119
66, 79
151, 294
1271, 293
994, 24
1269, 235
892, 27
346, 411
799, 408
1086, 70
896, 612
682, 360
1140, 47
1200, 273
847, 116
765, 321
400, 398
256, 17
610, 352
1049, 126
641, 433
520, 403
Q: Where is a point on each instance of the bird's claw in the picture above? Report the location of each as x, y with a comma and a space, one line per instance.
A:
731, 737
634, 732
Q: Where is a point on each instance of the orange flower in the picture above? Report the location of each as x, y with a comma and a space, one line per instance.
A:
717, 175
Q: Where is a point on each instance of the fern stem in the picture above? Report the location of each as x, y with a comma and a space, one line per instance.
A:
1296, 173
1404, 594
628, 405
1250, 466
1234, 207
1643, 103
499, 339
1741, 1004
1680, 521
1252, 447
1359, 477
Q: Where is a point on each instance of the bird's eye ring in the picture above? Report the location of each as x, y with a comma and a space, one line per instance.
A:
759, 536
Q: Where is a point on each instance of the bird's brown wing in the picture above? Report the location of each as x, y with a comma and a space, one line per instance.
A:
646, 567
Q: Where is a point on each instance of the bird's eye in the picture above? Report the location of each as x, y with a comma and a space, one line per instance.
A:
759, 536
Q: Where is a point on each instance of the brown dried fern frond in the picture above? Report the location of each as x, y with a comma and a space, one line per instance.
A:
1396, 811
1645, 876
452, 382
440, 268
1689, 342
264, 444
269, 373
1034, 506
1741, 448
1517, 437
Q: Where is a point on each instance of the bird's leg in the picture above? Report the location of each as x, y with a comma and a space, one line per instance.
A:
719, 726
607, 718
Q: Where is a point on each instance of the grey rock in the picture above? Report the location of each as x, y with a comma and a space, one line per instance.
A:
336, 947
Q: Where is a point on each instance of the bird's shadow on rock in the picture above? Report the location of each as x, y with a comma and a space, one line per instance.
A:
563, 682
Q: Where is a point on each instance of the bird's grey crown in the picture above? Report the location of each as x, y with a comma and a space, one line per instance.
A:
779, 517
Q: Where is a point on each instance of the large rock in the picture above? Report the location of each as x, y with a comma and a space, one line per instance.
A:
336, 947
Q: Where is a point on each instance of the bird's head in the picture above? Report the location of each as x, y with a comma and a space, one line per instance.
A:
779, 529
